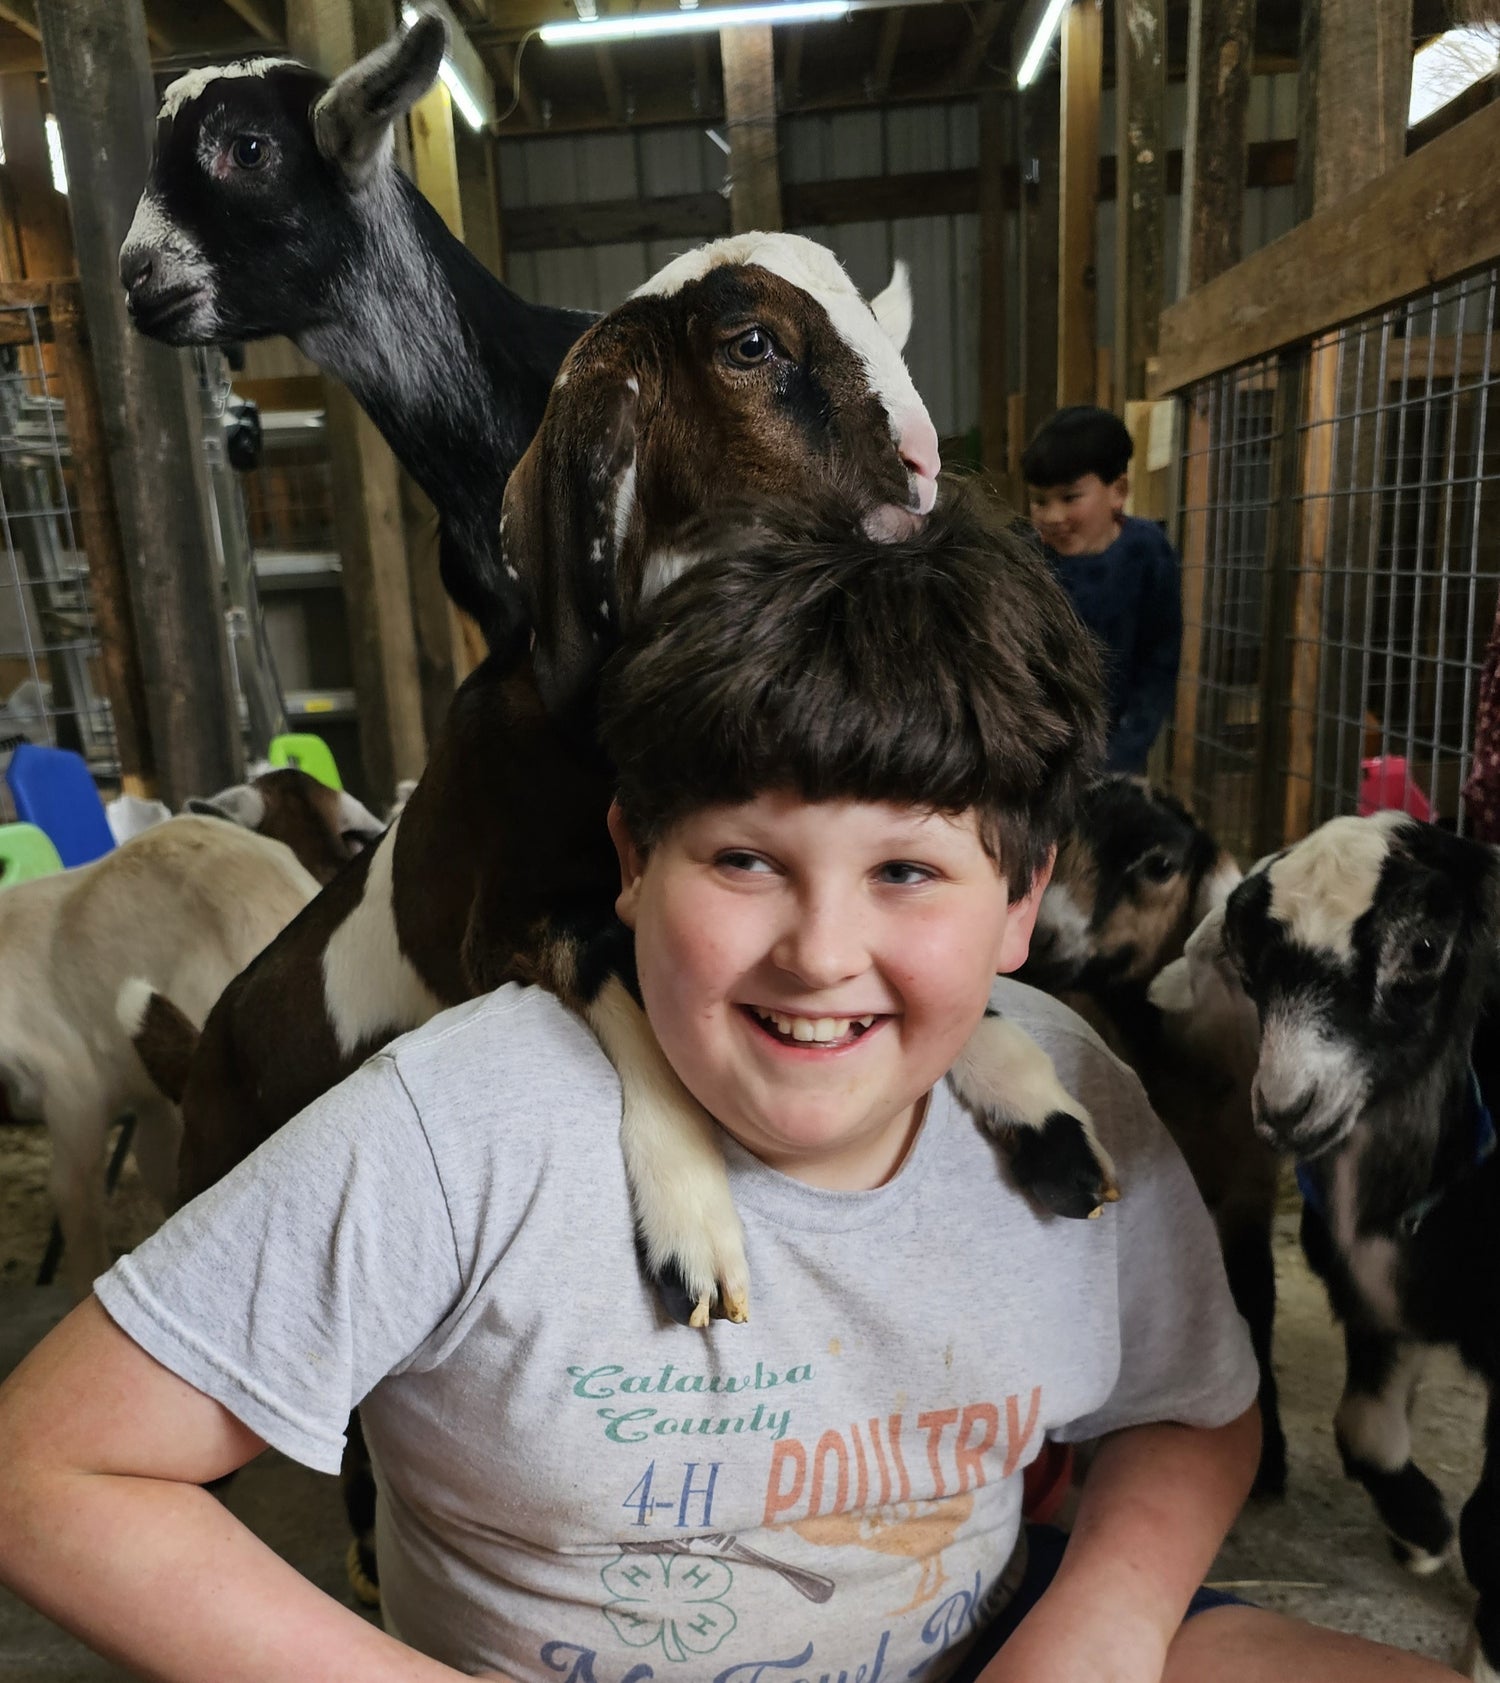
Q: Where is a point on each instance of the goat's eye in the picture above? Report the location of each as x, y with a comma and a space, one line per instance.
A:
248, 151
750, 348
1424, 954
1157, 867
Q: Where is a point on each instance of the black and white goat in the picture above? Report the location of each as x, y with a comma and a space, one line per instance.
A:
1371, 952
748, 371
274, 205
1134, 878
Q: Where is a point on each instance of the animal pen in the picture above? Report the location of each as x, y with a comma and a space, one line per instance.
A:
1338, 507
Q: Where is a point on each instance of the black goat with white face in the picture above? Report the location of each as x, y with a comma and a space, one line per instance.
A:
1135, 875
1371, 951
274, 205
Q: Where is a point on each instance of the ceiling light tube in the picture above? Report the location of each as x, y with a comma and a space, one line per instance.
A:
682, 22
1031, 61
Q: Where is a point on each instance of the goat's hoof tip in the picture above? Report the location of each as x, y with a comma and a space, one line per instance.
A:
736, 1307
701, 1314
1062, 1166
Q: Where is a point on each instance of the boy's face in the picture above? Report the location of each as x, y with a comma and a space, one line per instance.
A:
1081, 517
811, 970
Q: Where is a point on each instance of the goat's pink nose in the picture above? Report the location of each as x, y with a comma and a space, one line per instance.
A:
918, 449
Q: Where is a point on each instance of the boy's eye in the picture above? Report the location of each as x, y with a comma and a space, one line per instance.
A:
736, 859
902, 873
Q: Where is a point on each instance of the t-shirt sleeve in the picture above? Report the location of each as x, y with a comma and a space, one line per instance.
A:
1185, 1352
314, 1269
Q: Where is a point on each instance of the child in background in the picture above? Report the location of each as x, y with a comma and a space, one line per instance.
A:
1120, 573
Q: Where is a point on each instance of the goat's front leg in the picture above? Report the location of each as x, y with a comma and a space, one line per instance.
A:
688, 1224
1009, 1083
1479, 1539
1373, 1431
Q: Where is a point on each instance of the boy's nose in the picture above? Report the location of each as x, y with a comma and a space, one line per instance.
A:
822, 946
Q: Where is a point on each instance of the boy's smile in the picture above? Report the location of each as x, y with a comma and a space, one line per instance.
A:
812, 969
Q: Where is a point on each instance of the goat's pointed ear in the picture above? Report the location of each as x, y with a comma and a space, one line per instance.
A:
892, 307
240, 804
568, 513
352, 121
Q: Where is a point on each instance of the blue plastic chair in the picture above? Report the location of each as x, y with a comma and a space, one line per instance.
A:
53, 789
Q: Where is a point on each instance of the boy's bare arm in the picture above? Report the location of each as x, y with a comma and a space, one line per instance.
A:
1155, 1506
104, 1528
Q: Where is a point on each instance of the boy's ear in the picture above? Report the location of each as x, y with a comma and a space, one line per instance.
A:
632, 864
1020, 919
1119, 492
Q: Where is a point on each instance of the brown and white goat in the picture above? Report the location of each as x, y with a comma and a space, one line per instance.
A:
185, 905
1133, 880
751, 369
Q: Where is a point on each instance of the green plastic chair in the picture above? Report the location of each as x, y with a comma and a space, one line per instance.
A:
26, 852
304, 751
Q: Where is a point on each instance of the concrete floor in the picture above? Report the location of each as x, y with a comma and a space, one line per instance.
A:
1318, 1555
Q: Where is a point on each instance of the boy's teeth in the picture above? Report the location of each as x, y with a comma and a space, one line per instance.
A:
818, 1030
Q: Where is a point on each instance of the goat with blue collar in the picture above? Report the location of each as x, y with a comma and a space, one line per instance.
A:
1371, 953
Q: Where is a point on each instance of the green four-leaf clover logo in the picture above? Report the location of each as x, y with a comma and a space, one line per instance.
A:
673, 1599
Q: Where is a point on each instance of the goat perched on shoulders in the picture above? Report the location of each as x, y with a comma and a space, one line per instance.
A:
1133, 879
1371, 953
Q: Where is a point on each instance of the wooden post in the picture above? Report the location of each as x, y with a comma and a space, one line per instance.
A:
98, 519
479, 199
994, 379
99, 75
1220, 38
1196, 485
366, 487
1353, 93
42, 212
1077, 281
1140, 188
1041, 195
750, 120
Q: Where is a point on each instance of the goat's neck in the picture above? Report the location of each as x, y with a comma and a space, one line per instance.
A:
1414, 1143
451, 365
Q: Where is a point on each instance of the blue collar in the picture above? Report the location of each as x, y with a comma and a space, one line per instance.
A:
1414, 1215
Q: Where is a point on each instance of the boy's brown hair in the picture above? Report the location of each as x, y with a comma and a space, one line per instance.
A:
947, 672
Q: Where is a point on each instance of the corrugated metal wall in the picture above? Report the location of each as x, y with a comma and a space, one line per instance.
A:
943, 251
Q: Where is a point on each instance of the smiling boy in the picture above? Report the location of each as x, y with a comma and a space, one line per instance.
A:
1120, 573
842, 770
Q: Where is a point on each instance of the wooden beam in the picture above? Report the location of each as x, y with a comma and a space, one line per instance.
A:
991, 15
1434, 216
41, 211
1077, 280
99, 524
609, 81
750, 117
99, 79
21, 14
1040, 134
791, 67
479, 201
1221, 35
255, 14
994, 269
1140, 202
1349, 140
885, 52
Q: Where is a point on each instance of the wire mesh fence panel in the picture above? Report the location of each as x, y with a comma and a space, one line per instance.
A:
1344, 545
51, 689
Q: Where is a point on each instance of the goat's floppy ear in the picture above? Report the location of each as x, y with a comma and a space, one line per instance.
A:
892, 307
568, 511
240, 805
352, 121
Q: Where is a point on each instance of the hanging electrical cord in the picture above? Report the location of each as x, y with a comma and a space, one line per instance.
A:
515, 79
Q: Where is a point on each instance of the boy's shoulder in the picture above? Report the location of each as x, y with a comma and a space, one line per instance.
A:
1145, 540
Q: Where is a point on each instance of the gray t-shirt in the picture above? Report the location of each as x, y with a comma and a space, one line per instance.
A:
573, 1486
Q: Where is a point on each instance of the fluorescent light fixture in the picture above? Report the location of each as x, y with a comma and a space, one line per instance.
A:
471, 105
641, 24
55, 153
1445, 67
1046, 28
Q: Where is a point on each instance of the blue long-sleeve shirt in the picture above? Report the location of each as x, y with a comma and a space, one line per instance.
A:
1129, 596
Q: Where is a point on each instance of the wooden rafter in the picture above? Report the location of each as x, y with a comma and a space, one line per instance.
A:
791, 67
609, 80
255, 14
991, 15
703, 74
22, 15
885, 53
